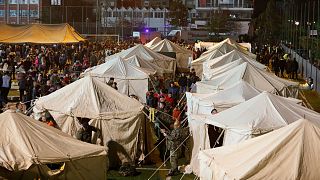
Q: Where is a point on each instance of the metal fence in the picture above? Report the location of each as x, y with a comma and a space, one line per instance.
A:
306, 69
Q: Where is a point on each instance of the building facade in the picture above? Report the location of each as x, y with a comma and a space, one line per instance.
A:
20, 11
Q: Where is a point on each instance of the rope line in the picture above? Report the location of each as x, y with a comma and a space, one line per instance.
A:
168, 157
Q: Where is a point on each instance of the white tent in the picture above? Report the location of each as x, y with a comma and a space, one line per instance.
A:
88, 97
28, 146
153, 42
162, 63
221, 100
287, 153
232, 43
210, 45
258, 115
211, 65
183, 56
130, 78
218, 50
117, 116
260, 79
204, 103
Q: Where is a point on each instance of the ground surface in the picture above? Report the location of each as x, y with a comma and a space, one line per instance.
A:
148, 170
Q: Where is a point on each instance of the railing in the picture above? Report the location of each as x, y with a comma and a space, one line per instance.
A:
306, 69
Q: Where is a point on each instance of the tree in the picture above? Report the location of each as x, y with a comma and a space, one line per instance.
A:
268, 24
178, 13
221, 22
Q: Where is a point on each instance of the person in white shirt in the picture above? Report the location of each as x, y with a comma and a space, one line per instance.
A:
6, 85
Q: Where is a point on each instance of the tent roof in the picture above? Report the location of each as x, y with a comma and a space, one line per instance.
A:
238, 93
159, 61
25, 141
119, 69
287, 153
88, 97
219, 50
168, 46
229, 43
153, 42
39, 33
229, 57
262, 113
261, 80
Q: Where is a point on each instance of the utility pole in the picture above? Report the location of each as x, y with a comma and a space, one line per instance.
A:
97, 19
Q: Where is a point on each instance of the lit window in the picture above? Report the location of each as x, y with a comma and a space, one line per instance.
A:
13, 13
1, 13
34, 13
34, 1
12, 1
56, 2
24, 13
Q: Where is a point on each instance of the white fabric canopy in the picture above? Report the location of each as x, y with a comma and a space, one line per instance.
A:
204, 103
287, 153
28, 145
182, 55
260, 79
130, 78
258, 115
118, 117
87, 97
232, 56
197, 64
162, 63
153, 42
210, 45
221, 100
218, 50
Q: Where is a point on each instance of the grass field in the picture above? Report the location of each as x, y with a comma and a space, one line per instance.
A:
313, 98
147, 171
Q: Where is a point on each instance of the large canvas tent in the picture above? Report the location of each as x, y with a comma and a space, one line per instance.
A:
202, 104
221, 100
220, 50
287, 153
39, 34
153, 42
260, 79
130, 78
210, 45
28, 146
118, 117
258, 115
162, 64
211, 65
183, 56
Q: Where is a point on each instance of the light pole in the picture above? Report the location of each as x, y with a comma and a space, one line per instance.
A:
87, 21
296, 35
97, 18
122, 19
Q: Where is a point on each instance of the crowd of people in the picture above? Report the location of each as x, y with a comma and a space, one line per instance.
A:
38, 70
281, 63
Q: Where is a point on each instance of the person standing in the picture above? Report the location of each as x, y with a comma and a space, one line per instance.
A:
6, 85
22, 82
175, 138
183, 82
